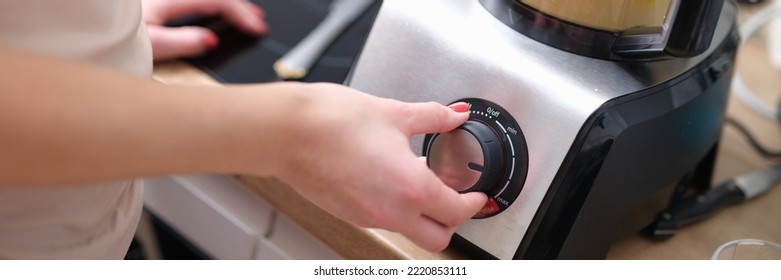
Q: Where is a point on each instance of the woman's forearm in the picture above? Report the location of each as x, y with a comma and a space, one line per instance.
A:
66, 122
348, 152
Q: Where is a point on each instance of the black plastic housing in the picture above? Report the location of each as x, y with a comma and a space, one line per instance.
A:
628, 160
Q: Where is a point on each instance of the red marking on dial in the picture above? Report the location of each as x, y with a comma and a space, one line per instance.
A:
489, 208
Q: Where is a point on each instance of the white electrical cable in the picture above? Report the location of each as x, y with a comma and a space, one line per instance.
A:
747, 29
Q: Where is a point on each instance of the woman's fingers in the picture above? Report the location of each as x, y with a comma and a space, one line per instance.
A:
243, 14
185, 41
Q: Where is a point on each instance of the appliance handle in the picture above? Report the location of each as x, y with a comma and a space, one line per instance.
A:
693, 27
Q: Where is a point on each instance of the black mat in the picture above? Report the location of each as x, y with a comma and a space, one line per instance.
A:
243, 59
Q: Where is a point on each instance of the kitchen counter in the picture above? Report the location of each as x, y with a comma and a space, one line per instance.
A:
753, 219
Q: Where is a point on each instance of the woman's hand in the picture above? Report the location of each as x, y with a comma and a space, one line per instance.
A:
168, 43
349, 153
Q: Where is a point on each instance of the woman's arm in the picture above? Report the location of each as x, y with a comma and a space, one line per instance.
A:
62, 121
65, 122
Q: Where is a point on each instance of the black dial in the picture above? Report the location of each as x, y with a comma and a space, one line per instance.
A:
486, 154
469, 158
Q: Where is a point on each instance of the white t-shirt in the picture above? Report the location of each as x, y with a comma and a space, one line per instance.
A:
76, 222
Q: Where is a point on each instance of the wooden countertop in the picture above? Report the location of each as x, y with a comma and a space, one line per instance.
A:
757, 218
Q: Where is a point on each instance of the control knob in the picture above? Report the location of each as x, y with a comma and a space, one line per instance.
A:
468, 158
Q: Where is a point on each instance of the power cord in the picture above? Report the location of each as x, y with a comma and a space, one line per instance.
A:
765, 152
762, 150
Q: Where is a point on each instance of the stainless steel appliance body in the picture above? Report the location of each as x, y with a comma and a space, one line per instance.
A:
602, 144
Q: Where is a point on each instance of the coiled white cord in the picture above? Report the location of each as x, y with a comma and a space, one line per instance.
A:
747, 29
